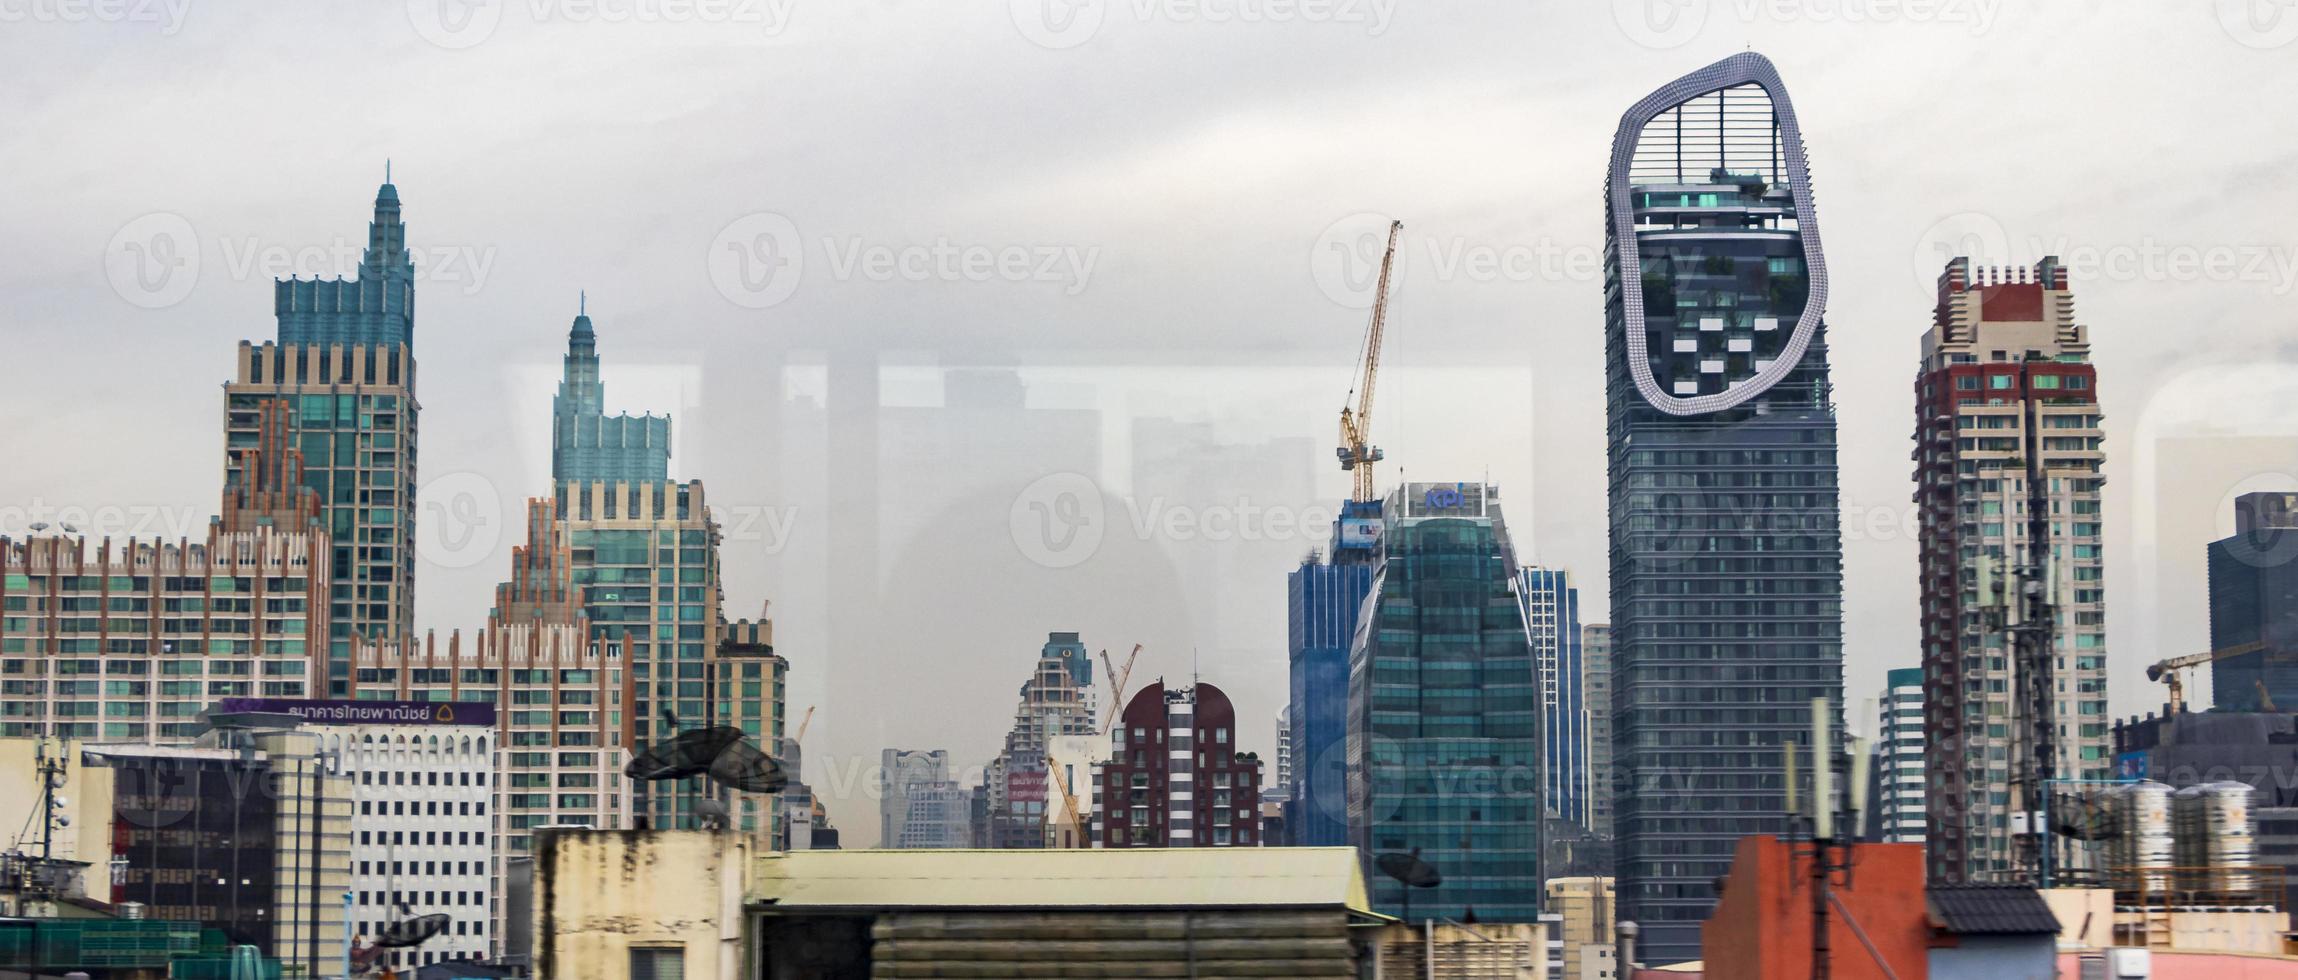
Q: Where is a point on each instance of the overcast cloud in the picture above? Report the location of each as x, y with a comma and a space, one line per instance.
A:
805, 226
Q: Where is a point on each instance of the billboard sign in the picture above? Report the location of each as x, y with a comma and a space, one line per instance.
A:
470, 713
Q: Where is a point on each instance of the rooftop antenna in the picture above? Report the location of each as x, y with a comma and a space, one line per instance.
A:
582, 302
386, 170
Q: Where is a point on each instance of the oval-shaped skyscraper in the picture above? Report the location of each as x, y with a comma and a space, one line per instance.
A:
1726, 560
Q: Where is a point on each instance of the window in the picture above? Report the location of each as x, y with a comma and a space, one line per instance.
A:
657, 963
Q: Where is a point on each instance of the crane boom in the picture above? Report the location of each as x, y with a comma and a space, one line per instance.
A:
808, 720
2167, 671
1356, 452
1117, 679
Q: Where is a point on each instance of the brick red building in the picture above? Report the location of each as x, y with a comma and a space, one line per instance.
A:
1174, 776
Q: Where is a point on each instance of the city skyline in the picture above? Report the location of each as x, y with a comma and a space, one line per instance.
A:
674, 342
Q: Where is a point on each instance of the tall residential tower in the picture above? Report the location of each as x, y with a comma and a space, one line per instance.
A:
344, 365
2007, 488
1726, 560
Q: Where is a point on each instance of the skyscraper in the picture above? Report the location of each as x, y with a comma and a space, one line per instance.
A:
1175, 777
2254, 599
1551, 610
1596, 681
1726, 561
1324, 599
1899, 778
589, 445
344, 364
1057, 700
900, 773
1444, 711
2007, 489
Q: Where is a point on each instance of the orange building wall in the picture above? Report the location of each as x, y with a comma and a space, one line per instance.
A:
1761, 926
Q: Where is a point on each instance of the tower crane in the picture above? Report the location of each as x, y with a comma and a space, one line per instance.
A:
2167, 671
1356, 452
1068, 799
808, 720
1117, 679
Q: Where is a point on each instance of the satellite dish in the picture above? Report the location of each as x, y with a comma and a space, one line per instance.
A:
411, 932
742, 766
69, 529
1409, 869
39, 526
712, 813
689, 754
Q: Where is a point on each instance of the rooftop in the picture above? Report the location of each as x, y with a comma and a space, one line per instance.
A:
1141, 878
1991, 910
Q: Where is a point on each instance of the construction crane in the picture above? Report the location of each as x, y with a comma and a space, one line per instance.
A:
808, 720
1356, 452
1117, 679
2167, 671
1068, 799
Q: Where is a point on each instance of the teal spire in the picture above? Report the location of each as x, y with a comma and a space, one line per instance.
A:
374, 307
588, 444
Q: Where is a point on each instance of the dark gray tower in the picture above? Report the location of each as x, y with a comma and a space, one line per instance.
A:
1726, 566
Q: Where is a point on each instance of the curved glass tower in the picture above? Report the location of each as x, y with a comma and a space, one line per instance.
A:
1726, 561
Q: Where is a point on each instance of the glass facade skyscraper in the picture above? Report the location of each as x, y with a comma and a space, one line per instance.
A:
589, 445
1444, 706
1552, 626
1726, 560
1323, 602
345, 364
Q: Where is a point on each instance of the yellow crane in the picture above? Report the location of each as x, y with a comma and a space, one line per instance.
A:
808, 720
1068, 799
1117, 679
1356, 452
2167, 670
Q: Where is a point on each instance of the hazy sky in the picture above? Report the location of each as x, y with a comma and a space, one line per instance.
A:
1133, 206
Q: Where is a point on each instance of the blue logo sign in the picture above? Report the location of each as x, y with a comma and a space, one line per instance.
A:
1443, 497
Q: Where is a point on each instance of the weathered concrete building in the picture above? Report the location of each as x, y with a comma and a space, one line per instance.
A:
646, 903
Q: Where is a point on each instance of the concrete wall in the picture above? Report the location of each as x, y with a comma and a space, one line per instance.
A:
600, 894
1518, 951
1997, 958
88, 796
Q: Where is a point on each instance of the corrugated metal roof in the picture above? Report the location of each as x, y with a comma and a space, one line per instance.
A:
1998, 910
1188, 877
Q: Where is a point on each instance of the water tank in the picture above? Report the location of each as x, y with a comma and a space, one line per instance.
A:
130, 910
2143, 849
2212, 822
